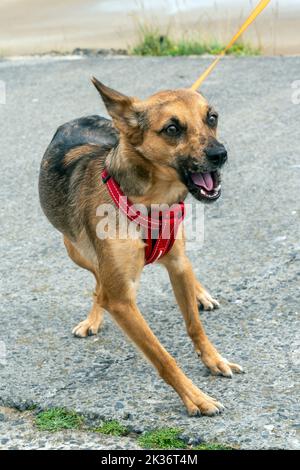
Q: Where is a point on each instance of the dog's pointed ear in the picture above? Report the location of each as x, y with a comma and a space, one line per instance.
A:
119, 106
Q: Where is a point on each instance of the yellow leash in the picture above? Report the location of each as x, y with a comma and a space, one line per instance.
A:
257, 10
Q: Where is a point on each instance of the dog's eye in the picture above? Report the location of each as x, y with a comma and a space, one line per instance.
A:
172, 130
212, 120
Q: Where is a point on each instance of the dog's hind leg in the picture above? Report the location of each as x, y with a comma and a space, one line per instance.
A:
204, 299
94, 320
91, 325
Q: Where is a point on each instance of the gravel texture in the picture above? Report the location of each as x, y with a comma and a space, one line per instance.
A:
18, 432
250, 261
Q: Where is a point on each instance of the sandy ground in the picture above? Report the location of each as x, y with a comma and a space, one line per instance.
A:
32, 26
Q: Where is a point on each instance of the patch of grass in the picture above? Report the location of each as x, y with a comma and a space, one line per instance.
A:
113, 428
152, 43
56, 419
165, 438
169, 438
212, 446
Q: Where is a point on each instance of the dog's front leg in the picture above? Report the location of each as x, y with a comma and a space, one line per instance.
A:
128, 317
183, 282
120, 266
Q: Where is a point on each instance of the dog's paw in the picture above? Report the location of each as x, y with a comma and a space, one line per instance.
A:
198, 403
218, 365
86, 328
206, 301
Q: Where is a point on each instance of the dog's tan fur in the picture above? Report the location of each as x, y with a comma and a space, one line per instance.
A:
143, 163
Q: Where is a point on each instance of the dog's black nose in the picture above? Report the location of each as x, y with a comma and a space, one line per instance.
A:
216, 154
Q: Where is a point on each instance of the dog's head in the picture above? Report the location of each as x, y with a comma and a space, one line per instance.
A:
173, 130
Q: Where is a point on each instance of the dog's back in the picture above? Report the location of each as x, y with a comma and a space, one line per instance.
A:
74, 146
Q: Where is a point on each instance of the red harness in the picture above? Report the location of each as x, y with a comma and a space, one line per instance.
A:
164, 224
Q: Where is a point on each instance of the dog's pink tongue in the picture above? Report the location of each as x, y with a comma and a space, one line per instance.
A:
204, 180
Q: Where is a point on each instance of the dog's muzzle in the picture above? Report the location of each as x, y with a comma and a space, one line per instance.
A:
204, 180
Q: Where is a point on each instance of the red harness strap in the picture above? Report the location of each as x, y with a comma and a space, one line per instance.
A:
164, 224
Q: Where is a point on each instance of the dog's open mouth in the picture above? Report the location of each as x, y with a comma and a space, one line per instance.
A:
205, 186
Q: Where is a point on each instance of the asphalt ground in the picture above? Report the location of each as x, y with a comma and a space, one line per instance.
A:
249, 259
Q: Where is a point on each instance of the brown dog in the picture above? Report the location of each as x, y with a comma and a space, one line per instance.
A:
157, 150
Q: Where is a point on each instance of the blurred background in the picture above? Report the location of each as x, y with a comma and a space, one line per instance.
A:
178, 26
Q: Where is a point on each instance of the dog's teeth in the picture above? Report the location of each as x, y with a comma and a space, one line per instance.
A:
211, 196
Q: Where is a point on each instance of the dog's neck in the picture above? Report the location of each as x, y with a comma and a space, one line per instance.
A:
141, 180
